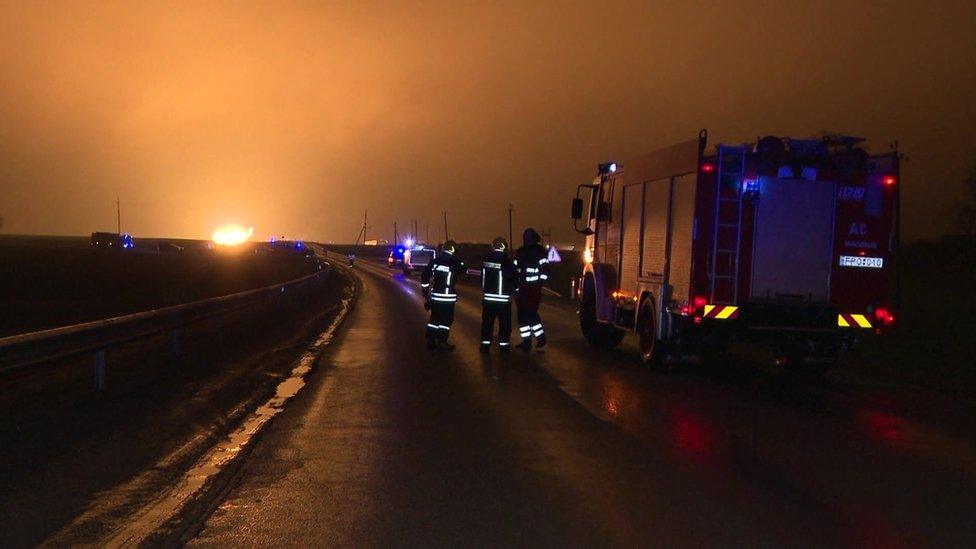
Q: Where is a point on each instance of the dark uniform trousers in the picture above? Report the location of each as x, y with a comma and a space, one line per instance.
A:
441, 318
530, 323
490, 310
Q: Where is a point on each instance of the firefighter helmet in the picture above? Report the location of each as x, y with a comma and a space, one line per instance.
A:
450, 247
499, 244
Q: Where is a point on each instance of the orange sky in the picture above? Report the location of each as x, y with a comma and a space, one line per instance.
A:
294, 117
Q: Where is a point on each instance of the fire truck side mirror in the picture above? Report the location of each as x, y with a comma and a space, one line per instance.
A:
577, 208
603, 212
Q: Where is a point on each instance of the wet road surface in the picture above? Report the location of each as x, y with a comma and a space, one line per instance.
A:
393, 445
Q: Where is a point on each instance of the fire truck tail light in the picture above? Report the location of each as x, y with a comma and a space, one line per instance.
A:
889, 180
700, 301
708, 168
884, 316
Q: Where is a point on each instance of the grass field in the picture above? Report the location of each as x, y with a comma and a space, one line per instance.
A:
55, 281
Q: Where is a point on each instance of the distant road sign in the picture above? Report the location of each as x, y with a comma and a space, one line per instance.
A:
554, 255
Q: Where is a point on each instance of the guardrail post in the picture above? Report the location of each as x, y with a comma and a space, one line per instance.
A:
175, 339
100, 370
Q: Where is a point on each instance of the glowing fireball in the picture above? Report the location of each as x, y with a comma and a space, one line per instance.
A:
232, 235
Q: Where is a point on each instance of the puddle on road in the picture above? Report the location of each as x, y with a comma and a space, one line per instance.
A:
218, 457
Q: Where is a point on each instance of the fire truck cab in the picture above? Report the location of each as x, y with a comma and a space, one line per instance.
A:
785, 244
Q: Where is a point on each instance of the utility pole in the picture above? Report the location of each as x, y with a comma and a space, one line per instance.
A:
511, 245
362, 232
445, 226
118, 214
428, 235
396, 236
416, 235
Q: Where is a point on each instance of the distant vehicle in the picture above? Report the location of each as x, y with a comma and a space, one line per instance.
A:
784, 244
288, 246
168, 247
417, 258
111, 241
395, 259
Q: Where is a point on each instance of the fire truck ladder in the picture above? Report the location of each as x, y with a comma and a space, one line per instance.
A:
728, 221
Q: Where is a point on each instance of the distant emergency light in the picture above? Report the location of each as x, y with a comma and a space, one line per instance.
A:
861, 261
750, 185
607, 167
708, 168
889, 181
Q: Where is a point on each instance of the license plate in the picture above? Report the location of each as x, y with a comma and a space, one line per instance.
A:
861, 261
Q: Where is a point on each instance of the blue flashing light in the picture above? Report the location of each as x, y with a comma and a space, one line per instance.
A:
298, 245
750, 185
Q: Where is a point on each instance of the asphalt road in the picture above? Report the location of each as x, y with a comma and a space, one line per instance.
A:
391, 444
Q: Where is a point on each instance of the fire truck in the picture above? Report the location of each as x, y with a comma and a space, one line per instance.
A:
785, 245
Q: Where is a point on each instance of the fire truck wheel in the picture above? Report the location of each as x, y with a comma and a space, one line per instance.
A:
596, 333
587, 310
647, 333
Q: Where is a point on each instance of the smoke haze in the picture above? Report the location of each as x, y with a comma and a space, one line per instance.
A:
294, 117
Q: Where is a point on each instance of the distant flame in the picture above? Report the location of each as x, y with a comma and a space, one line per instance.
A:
232, 235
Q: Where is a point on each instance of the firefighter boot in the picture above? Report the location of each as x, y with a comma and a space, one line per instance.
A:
526, 344
443, 345
484, 347
540, 342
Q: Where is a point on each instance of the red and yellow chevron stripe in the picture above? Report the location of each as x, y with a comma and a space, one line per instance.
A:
721, 312
852, 320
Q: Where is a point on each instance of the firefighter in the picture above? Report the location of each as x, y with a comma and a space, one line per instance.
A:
532, 264
498, 282
351, 256
437, 282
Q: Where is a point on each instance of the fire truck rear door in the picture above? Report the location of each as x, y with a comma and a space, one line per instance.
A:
793, 244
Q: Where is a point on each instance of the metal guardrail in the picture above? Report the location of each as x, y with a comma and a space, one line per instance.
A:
33, 348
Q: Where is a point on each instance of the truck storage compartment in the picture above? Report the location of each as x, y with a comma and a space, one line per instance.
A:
793, 240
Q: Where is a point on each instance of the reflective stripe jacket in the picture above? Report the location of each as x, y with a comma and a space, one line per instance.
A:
439, 278
532, 263
498, 277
